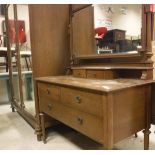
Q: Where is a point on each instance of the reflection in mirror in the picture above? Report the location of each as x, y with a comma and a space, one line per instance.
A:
117, 28
25, 58
15, 78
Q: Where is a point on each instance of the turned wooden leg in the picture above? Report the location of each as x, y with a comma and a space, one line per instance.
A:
146, 138
136, 135
43, 127
13, 109
39, 137
38, 132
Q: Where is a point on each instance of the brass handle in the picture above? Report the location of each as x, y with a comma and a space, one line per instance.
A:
94, 75
48, 92
78, 99
80, 120
49, 107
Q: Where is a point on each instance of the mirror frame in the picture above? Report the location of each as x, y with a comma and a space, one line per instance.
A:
146, 37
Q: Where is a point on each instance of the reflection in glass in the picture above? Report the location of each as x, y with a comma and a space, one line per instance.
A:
15, 74
25, 58
117, 27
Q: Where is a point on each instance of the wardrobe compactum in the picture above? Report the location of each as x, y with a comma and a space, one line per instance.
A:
91, 71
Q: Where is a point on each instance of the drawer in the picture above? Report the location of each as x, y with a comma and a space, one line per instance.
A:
84, 101
50, 91
100, 74
87, 124
79, 73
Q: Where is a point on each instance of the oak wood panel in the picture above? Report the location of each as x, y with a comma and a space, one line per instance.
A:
76, 119
99, 86
83, 32
49, 39
129, 112
82, 100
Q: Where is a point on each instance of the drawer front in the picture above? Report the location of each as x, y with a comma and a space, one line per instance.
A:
84, 101
100, 74
50, 91
79, 73
85, 123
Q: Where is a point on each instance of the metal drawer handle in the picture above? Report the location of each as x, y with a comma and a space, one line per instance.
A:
48, 92
94, 74
80, 120
49, 107
78, 99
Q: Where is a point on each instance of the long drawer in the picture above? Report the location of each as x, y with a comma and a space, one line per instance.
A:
85, 123
82, 100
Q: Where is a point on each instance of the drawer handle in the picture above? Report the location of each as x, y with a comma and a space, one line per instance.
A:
48, 92
78, 99
94, 75
80, 120
49, 107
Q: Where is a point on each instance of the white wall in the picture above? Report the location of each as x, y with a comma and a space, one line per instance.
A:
131, 22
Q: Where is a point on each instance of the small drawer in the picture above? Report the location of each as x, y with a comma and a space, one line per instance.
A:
100, 74
85, 123
79, 73
84, 101
48, 90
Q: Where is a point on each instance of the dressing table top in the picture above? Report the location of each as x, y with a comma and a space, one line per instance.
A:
94, 84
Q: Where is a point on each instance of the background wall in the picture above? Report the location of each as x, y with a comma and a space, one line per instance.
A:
129, 19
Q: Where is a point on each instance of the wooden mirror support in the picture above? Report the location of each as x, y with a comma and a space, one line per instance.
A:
85, 62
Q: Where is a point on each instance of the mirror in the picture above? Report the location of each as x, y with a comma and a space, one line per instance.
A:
25, 58
117, 28
15, 73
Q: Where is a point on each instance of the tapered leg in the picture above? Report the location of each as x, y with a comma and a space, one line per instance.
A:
13, 109
146, 139
136, 135
43, 127
147, 118
38, 133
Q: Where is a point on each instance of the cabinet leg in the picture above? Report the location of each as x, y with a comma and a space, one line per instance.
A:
38, 133
108, 147
12, 107
43, 127
136, 135
39, 137
146, 139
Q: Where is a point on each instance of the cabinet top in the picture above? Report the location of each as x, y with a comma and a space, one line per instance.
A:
94, 84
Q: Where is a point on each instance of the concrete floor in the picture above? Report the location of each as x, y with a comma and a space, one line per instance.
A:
16, 133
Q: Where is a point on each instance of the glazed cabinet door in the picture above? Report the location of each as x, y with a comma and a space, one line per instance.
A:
83, 32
